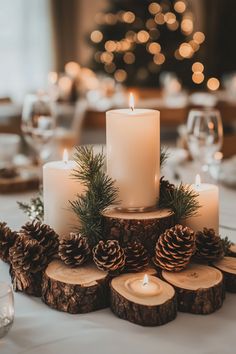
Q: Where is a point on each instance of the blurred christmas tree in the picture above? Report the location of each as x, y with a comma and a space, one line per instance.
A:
136, 40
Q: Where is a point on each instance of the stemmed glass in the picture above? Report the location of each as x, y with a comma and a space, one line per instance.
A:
6, 308
38, 124
204, 135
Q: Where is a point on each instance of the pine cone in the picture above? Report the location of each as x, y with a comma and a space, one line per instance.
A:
27, 255
7, 240
209, 246
136, 257
174, 248
109, 256
45, 235
166, 185
74, 250
29, 283
226, 244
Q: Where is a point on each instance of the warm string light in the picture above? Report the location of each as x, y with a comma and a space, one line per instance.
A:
160, 14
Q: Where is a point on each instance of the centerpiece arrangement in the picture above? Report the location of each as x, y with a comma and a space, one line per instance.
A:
120, 235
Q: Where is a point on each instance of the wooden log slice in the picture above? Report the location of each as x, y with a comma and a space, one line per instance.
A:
199, 288
146, 309
227, 266
143, 227
75, 290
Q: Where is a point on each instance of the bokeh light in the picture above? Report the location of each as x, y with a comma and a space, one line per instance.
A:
96, 36
199, 37
120, 75
213, 84
154, 8
180, 7
198, 78
197, 67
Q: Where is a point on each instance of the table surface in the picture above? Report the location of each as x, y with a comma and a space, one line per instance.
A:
38, 329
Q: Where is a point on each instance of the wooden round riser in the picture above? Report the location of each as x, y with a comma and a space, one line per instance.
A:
153, 310
75, 290
199, 288
143, 227
227, 266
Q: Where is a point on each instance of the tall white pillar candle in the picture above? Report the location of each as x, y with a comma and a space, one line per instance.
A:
208, 213
133, 156
58, 189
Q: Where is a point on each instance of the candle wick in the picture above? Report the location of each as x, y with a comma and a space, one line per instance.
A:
132, 108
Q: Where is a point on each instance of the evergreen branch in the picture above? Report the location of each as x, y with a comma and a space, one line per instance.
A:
34, 209
181, 199
100, 193
163, 156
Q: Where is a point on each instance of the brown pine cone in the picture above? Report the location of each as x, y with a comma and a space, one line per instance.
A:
45, 235
166, 185
109, 256
174, 248
29, 283
74, 250
27, 255
136, 257
209, 246
7, 240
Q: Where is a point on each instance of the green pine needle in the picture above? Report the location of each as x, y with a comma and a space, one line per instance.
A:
164, 156
181, 199
100, 193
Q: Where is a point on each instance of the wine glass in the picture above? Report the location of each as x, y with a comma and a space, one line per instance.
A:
38, 124
204, 135
6, 308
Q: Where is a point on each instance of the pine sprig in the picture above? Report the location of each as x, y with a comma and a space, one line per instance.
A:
163, 156
34, 209
181, 199
100, 193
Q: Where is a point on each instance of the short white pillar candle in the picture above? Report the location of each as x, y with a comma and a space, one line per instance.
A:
208, 213
59, 187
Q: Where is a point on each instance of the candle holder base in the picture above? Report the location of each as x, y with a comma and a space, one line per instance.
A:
145, 227
136, 209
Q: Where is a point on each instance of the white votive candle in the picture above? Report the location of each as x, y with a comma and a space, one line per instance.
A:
58, 189
143, 286
208, 213
133, 156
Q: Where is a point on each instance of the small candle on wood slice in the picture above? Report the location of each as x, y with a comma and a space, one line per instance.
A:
199, 288
59, 187
227, 266
144, 227
143, 299
133, 155
208, 214
75, 290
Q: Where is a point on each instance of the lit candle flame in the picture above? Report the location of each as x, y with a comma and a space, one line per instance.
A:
65, 156
145, 280
198, 181
131, 101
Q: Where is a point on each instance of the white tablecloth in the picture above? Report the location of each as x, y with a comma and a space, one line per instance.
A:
40, 330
